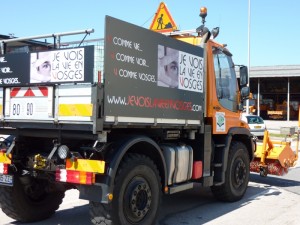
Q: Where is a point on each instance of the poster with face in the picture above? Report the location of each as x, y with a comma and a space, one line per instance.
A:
40, 70
56, 66
66, 65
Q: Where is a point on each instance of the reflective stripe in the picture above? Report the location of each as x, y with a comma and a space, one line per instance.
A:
4, 158
86, 165
75, 109
29, 91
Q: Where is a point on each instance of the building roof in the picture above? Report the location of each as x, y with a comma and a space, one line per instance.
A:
29, 43
275, 71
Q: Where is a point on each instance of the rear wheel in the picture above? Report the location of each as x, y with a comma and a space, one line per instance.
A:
29, 202
137, 195
236, 175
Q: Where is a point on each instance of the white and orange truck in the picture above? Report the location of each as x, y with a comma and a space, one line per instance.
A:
159, 115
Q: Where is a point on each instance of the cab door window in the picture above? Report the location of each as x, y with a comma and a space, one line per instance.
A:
226, 84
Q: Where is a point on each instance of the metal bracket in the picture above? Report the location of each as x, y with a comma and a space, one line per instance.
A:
56, 144
102, 137
11, 147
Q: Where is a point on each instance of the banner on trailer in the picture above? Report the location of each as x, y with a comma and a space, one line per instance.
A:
57, 66
148, 74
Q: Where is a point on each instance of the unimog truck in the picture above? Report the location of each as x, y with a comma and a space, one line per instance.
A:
143, 115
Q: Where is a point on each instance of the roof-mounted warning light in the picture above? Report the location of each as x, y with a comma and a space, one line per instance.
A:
203, 14
202, 30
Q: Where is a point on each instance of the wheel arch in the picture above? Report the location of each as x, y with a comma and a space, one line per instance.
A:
243, 135
136, 144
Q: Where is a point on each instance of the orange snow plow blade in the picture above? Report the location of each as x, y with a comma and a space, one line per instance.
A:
273, 157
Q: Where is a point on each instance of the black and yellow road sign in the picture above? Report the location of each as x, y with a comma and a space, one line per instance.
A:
163, 21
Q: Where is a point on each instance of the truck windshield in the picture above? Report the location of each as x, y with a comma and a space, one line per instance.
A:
226, 84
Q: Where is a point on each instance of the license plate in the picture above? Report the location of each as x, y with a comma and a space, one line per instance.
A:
6, 180
257, 127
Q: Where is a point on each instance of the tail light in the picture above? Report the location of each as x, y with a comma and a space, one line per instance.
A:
77, 177
4, 168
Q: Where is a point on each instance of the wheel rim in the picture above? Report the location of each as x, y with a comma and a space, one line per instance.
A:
240, 173
137, 200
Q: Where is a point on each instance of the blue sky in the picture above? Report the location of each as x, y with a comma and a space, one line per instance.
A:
274, 23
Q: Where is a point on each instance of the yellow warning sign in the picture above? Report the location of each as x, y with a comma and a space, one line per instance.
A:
163, 21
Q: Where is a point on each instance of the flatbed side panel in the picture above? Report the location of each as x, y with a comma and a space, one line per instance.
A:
145, 120
54, 104
74, 103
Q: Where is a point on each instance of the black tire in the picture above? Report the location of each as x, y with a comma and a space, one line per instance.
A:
136, 196
30, 205
236, 175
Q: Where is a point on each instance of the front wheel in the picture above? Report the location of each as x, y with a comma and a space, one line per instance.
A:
236, 175
137, 195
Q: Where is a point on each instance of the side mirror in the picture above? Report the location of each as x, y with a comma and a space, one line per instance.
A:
243, 76
245, 92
